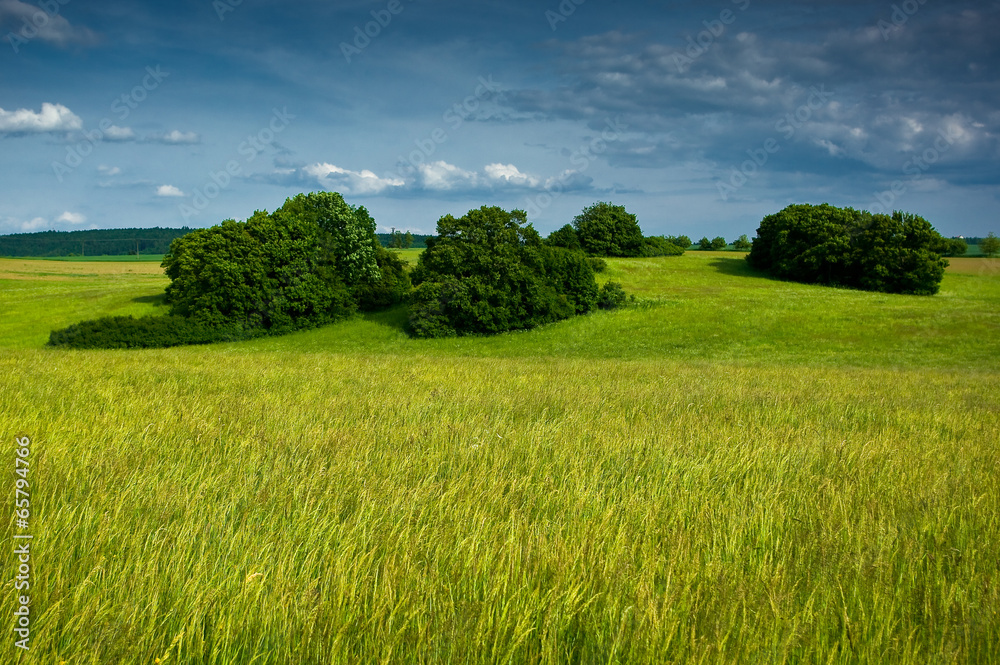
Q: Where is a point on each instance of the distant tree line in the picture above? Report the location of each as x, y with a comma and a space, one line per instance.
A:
104, 242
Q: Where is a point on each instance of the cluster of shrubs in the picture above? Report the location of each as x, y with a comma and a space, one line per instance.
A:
313, 261
489, 272
897, 253
317, 259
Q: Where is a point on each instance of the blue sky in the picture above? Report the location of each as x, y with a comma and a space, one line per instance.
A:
701, 118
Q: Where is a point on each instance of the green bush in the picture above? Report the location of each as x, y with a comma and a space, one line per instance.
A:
564, 237
608, 230
126, 332
597, 264
660, 246
612, 296
705, 244
898, 253
489, 272
718, 243
314, 260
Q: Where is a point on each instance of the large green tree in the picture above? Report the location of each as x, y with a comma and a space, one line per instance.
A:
489, 272
898, 253
311, 261
605, 229
990, 245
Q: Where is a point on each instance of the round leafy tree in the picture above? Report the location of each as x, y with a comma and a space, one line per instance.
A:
310, 261
898, 253
608, 230
489, 272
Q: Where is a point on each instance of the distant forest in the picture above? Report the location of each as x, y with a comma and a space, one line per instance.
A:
119, 242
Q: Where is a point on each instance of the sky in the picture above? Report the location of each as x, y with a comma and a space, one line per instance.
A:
699, 117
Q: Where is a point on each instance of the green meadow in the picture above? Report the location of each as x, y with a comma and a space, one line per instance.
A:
732, 470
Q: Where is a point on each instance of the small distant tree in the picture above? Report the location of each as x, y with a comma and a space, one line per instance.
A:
408, 240
608, 230
742, 243
705, 244
990, 245
719, 243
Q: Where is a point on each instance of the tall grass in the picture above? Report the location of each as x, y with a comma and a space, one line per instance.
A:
302, 504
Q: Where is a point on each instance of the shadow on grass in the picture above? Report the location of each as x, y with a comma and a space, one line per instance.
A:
158, 300
738, 267
394, 317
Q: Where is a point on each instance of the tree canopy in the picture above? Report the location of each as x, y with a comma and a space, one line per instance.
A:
605, 229
489, 272
898, 253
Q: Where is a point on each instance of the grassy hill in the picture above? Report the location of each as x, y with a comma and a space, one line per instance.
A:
735, 470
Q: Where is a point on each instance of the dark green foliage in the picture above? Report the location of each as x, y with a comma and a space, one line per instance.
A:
611, 296
314, 260
489, 272
681, 241
846, 247
608, 230
103, 242
275, 272
742, 244
660, 246
719, 243
990, 245
955, 247
705, 244
126, 332
564, 237
392, 287
597, 264
572, 275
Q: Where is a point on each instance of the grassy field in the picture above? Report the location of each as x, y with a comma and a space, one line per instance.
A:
735, 470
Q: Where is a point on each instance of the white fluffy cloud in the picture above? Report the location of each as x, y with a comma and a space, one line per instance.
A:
168, 190
442, 176
108, 170
509, 174
71, 218
350, 182
177, 137
52, 118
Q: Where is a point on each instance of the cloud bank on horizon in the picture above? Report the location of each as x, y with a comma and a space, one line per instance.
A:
699, 118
